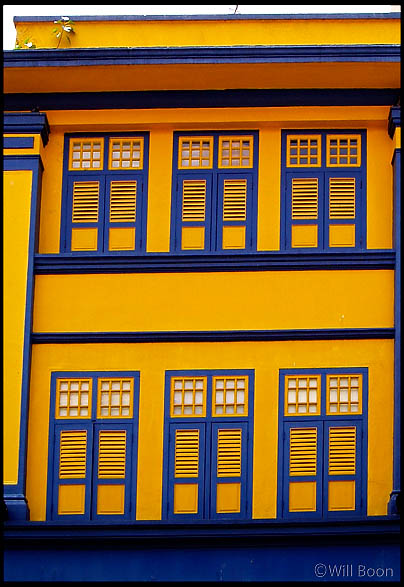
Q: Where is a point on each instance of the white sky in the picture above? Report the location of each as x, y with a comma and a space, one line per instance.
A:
9, 11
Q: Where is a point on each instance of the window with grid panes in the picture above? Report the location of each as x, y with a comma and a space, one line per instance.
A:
323, 190
323, 452
208, 435
105, 191
214, 192
93, 446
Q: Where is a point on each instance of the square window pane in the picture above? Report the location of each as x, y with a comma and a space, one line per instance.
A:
302, 409
105, 399
219, 410
291, 383
177, 384
74, 399
302, 396
292, 397
125, 398
189, 384
63, 412
229, 397
73, 412
125, 411
188, 410
74, 386
240, 409
63, 399
219, 384
83, 412
114, 411
343, 395
115, 399
229, 409
84, 399
104, 411
177, 397
188, 398
198, 409
240, 397
198, 397
291, 409
219, 397
199, 384
105, 385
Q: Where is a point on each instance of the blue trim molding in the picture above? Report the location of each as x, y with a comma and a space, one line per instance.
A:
200, 99
212, 336
18, 142
14, 495
394, 506
27, 123
197, 55
48, 264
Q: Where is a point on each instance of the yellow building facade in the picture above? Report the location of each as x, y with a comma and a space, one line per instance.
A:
202, 284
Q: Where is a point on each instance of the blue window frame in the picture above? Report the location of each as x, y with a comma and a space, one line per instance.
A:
104, 207
207, 471
323, 188
322, 446
214, 199
93, 446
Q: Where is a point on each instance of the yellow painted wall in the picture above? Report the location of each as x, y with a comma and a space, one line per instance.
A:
265, 357
16, 220
188, 32
202, 76
269, 121
213, 301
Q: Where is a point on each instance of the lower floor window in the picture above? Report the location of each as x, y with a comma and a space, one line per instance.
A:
322, 447
93, 446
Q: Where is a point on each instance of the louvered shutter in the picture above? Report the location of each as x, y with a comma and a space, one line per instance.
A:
229, 470
302, 488
86, 213
234, 230
304, 209
186, 470
193, 222
112, 471
343, 443
343, 195
71, 472
124, 202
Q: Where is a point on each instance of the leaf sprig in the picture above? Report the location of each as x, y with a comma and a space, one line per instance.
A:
64, 30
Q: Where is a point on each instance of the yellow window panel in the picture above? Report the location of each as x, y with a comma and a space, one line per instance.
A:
343, 150
230, 396
122, 239
304, 198
86, 196
228, 498
236, 152
110, 499
192, 237
341, 496
303, 151
126, 153
188, 396
304, 236
302, 496
86, 154
111, 454
342, 235
229, 452
342, 451
71, 500
73, 454
186, 498
302, 395
303, 452
73, 398
344, 394
195, 152
186, 460
233, 237
115, 397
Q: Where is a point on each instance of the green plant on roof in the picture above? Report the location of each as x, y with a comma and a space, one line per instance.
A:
63, 30
26, 44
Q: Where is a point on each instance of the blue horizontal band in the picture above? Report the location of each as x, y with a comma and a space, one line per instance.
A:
201, 99
211, 336
165, 263
198, 55
165, 17
27, 123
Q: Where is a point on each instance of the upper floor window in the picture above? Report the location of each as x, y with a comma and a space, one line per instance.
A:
323, 190
214, 192
105, 187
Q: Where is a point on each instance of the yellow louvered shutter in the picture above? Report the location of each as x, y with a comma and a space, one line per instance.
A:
186, 459
303, 452
123, 201
342, 197
234, 199
342, 451
73, 453
304, 198
85, 201
193, 200
229, 453
112, 454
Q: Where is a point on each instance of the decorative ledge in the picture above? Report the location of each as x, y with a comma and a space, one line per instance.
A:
66, 263
27, 123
